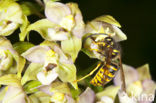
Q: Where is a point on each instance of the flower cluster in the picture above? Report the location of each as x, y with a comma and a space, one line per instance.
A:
46, 73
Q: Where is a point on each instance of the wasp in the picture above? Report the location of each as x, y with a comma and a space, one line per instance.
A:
109, 49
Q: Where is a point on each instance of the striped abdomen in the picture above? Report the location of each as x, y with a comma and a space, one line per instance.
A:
104, 75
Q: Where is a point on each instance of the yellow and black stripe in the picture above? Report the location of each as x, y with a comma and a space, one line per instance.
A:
104, 75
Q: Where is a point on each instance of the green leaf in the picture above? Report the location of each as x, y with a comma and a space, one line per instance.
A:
67, 73
39, 97
31, 72
72, 46
30, 87
11, 80
21, 47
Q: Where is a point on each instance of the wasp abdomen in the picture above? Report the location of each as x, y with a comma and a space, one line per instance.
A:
104, 75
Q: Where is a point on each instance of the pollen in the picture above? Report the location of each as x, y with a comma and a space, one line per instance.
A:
50, 53
69, 17
58, 97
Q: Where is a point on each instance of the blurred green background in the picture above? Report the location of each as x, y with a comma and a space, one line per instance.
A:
138, 20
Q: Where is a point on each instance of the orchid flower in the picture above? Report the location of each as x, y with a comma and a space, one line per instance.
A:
105, 25
108, 95
63, 23
11, 17
68, 16
48, 63
59, 92
10, 60
140, 87
12, 92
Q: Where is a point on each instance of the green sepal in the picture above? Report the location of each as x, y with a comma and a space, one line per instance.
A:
30, 87
39, 97
108, 19
31, 72
72, 46
67, 73
30, 8
20, 66
21, 47
41, 27
110, 91
10, 80
75, 92
60, 87
144, 72
23, 28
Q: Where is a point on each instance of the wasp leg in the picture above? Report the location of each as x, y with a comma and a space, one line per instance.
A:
95, 50
122, 75
89, 73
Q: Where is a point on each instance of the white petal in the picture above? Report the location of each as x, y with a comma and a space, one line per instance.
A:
134, 89
78, 30
57, 36
36, 54
88, 96
48, 78
131, 75
14, 95
106, 99
123, 97
9, 27
63, 57
68, 22
94, 27
69, 99
56, 11
148, 94
12, 12
120, 36
149, 83
46, 89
